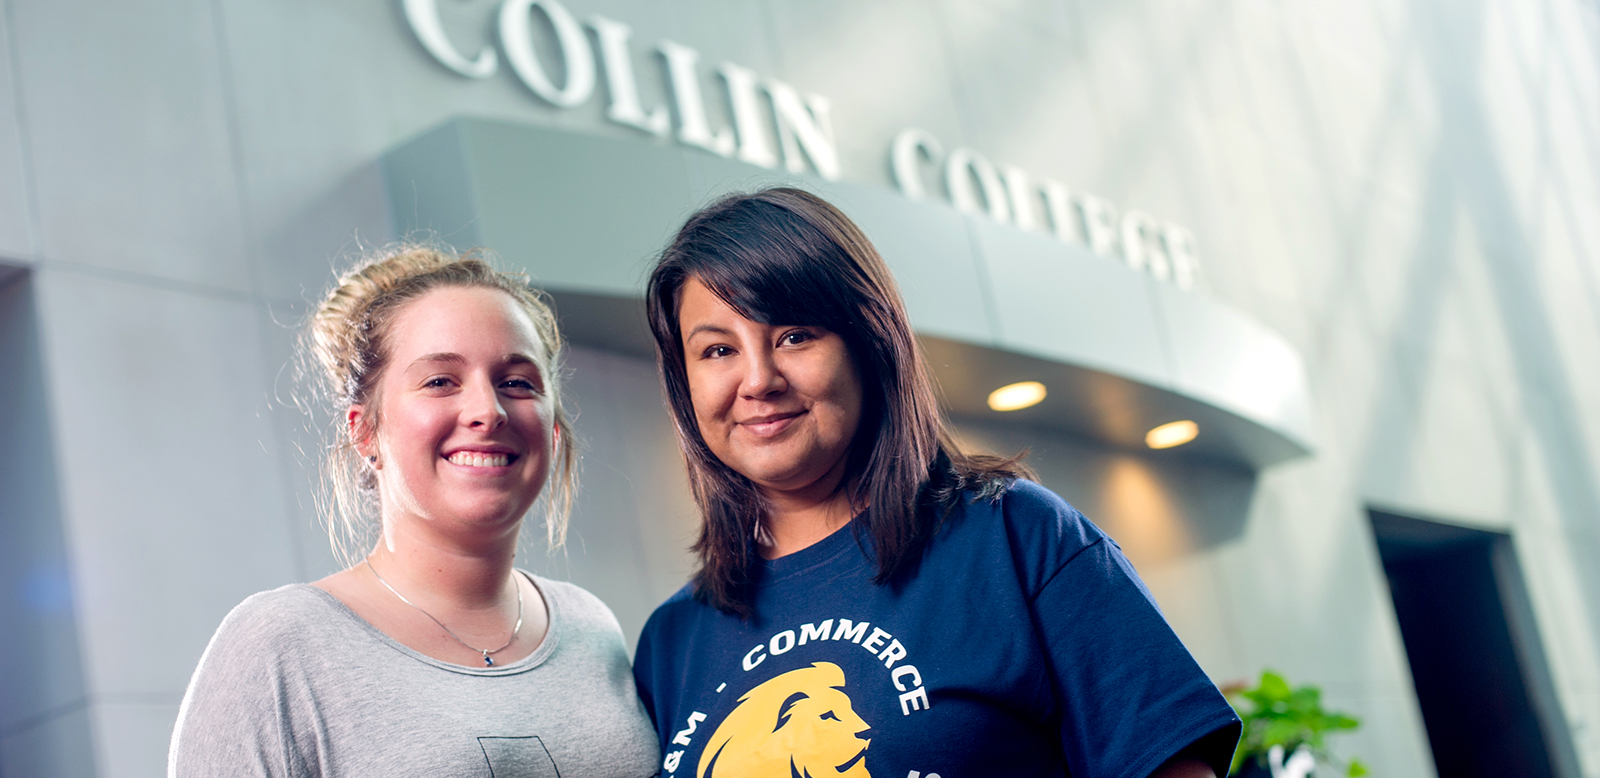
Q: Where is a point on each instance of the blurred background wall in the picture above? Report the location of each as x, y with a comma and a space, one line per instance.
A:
1408, 191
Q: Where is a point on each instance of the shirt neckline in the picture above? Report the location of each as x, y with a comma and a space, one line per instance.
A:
819, 554
546, 647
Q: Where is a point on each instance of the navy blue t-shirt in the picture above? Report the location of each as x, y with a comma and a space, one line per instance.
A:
1024, 645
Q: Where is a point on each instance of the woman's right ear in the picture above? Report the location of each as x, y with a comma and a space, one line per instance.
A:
360, 431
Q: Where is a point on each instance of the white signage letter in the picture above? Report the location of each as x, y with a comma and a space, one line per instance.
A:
959, 168
1057, 203
745, 99
1179, 243
1139, 250
804, 124
1021, 196
905, 156
693, 127
625, 107
1099, 223
516, 36
423, 16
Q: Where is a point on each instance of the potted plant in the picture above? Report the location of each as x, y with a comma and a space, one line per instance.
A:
1284, 729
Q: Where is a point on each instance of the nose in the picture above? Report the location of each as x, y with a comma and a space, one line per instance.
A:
483, 409
762, 377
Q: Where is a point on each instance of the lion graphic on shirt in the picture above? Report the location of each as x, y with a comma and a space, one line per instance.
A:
796, 724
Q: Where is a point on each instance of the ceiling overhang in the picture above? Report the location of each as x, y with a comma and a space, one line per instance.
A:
1121, 352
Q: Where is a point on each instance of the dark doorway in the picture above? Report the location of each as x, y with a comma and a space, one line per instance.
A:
1476, 659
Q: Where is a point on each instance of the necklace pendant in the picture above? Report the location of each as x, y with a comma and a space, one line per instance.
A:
488, 660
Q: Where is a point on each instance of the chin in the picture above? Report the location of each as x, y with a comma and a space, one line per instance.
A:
784, 481
490, 513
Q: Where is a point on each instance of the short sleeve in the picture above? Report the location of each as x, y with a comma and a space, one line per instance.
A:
231, 719
1130, 696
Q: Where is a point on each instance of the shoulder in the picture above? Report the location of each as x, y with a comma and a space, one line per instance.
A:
673, 616
272, 636
1030, 507
676, 631
578, 608
1035, 516
273, 619
252, 655
681, 619
1034, 527
570, 595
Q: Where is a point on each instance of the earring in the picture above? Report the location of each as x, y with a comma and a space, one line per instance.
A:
373, 460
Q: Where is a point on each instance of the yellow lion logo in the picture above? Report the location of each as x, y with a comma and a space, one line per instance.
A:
797, 724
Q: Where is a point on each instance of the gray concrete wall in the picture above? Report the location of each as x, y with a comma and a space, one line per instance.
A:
1406, 190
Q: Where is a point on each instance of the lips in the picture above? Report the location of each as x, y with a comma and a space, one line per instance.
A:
771, 424
481, 458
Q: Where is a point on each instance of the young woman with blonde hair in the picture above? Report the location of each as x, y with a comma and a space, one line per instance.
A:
430, 655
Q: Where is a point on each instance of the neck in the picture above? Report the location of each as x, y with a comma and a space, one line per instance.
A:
424, 567
797, 519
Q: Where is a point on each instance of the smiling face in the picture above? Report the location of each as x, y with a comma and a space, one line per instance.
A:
777, 404
463, 428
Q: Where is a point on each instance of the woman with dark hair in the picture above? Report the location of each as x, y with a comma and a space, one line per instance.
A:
870, 599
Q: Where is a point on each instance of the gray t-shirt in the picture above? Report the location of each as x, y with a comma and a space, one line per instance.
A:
295, 684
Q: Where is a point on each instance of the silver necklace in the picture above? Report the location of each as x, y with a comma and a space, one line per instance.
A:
488, 659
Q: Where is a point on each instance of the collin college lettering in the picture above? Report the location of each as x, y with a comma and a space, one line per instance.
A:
802, 126
1164, 250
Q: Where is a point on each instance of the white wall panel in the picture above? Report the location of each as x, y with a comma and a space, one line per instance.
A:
61, 746
169, 470
41, 662
16, 205
884, 66
128, 126
131, 736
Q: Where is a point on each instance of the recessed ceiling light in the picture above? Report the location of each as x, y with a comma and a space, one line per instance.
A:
1174, 434
1015, 397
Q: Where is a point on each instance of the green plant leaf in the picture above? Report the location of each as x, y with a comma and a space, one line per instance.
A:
1341, 721
1273, 688
1356, 768
1282, 733
1282, 715
1306, 698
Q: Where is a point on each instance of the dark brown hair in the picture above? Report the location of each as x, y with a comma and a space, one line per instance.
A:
786, 257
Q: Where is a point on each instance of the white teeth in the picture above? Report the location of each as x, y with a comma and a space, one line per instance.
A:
474, 459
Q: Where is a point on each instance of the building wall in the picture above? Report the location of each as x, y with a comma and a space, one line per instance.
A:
1406, 190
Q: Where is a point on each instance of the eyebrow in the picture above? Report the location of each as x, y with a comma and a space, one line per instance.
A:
711, 328
450, 357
